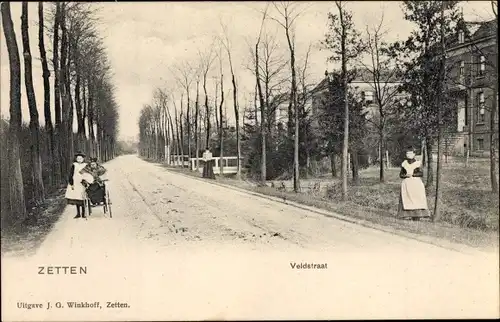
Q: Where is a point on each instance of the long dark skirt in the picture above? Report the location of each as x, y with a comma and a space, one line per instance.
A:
411, 214
208, 169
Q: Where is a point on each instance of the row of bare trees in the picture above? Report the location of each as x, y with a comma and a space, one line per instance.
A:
186, 127
271, 82
280, 79
82, 91
399, 73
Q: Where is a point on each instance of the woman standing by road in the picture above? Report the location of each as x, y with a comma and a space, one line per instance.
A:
412, 200
75, 192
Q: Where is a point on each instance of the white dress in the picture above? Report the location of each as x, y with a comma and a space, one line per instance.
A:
76, 194
413, 189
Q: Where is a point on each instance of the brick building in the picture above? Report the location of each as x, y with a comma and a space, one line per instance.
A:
363, 85
472, 77
472, 80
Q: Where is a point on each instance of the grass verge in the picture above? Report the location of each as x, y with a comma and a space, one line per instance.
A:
469, 219
24, 238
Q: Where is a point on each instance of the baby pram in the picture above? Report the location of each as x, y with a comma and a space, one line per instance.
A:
97, 195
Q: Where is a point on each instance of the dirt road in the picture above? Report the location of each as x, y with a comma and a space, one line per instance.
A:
181, 248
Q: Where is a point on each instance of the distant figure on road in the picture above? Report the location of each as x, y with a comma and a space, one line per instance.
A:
208, 166
412, 200
75, 192
95, 190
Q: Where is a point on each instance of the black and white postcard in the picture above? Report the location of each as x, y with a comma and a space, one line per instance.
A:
241, 160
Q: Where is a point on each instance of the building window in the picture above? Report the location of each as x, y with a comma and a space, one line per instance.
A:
367, 97
480, 144
467, 102
482, 66
461, 71
461, 37
480, 106
496, 112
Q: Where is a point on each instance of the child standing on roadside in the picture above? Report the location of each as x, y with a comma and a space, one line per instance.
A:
75, 192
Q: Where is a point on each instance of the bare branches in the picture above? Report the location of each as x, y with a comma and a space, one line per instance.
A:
207, 58
382, 70
287, 12
183, 73
303, 75
264, 17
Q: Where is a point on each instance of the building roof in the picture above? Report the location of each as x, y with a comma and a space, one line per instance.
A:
362, 75
474, 31
487, 28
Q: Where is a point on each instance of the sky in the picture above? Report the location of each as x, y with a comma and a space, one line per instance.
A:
145, 40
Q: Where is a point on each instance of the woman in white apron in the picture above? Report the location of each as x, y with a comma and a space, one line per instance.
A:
412, 199
75, 192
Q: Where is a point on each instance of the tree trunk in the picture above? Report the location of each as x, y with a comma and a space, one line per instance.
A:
293, 100
167, 134
157, 143
179, 146
98, 135
66, 104
237, 117
102, 143
289, 125
256, 112
333, 164
216, 113
200, 130
90, 121
16, 188
49, 128
207, 115
381, 148
58, 164
355, 166
173, 133
181, 131
345, 147
85, 117
430, 172
308, 154
188, 118
221, 128
263, 111
38, 187
80, 115
197, 125
440, 100
436, 215
424, 153
69, 98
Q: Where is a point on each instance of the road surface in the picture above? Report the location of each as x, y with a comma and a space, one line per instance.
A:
183, 248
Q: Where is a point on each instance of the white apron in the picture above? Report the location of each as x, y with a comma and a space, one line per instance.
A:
413, 189
78, 190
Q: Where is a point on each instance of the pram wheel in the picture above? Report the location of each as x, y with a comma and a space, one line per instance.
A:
87, 206
107, 204
96, 196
